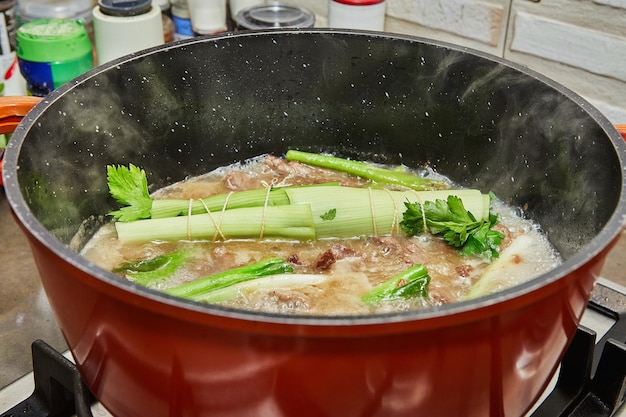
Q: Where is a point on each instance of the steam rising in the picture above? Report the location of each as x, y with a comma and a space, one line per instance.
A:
190, 107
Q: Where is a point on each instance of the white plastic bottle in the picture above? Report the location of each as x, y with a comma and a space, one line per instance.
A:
357, 14
121, 28
207, 16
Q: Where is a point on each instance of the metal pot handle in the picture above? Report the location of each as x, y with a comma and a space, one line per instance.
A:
12, 110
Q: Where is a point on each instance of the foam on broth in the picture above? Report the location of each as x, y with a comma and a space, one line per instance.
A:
351, 267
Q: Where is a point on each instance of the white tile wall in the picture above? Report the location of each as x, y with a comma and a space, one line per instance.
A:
578, 43
478, 20
589, 49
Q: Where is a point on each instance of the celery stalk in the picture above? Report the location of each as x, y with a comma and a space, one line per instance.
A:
288, 222
250, 198
366, 170
224, 279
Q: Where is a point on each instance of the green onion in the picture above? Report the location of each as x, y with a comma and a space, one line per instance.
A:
271, 282
145, 271
411, 283
366, 170
224, 279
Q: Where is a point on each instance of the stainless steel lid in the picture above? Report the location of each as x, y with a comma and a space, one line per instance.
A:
274, 15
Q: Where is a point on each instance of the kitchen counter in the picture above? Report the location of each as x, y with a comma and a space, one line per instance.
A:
25, 314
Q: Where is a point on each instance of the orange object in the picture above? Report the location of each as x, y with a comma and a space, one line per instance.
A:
12, 110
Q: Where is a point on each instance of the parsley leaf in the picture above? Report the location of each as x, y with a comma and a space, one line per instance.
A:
129, 186
329, 215
457, 225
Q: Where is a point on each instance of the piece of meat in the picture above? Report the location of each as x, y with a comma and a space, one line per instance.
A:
238, 180
335, 253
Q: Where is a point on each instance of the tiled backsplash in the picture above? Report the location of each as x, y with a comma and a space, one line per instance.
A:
578, 43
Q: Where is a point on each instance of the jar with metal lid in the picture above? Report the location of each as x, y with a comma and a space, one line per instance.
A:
51, 52
357, 14
274, 15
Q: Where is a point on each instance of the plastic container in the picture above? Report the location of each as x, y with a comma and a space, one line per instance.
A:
124, 27
28, 10
274, 15
51, 52
208, 16
182, 20
357, 14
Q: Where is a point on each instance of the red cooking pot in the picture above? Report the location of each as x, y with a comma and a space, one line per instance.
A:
183, 109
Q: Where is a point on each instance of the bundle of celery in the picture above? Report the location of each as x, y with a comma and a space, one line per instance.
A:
312, 213
304, 212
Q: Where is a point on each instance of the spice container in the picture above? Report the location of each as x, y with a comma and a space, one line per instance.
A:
207, 16
122, 27
51, 52
274, 15
357, 14
182, 20
28, 10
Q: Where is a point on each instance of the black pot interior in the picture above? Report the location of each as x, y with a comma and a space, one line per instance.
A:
187, 108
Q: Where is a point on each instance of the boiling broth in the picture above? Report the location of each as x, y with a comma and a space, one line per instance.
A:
349, 267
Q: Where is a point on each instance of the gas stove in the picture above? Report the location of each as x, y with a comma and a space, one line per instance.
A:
590, 382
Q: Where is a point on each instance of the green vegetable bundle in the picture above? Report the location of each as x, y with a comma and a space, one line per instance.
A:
462, 217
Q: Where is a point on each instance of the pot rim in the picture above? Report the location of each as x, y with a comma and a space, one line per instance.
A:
488, 304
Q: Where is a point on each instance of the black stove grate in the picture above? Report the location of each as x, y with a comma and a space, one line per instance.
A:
591, 380
59, 389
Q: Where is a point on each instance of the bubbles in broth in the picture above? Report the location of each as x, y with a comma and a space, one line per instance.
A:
330, 275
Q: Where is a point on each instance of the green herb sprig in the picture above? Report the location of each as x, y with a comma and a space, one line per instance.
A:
458, 226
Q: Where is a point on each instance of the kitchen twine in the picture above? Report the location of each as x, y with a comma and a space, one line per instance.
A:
218, 225
395, 221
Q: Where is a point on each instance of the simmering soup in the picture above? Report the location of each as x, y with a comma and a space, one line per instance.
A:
335, 271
